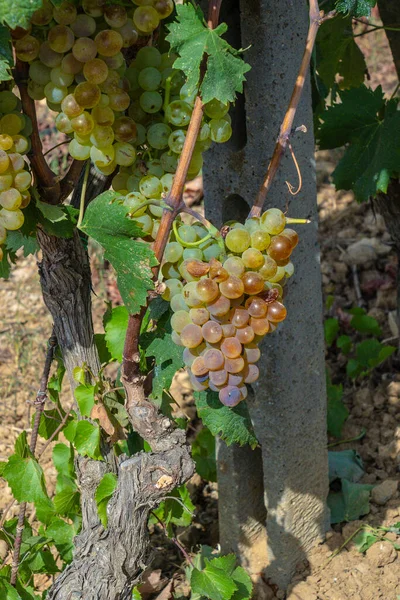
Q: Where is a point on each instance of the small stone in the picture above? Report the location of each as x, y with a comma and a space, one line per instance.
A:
360, 252
3, 549
391, 536
381, 554
384, 492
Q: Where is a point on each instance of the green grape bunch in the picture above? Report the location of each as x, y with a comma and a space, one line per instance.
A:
223, 308
15, 178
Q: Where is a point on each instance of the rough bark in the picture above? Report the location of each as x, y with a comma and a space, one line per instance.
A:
389, 11
289, 476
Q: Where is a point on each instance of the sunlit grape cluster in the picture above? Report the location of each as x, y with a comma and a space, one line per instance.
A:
223, 308
76, 63
161, 108
15, 178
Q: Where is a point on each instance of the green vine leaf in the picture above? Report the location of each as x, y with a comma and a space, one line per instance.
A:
220, 580
191, 38
233, 425
6, 55
51, 212
106, 222
356, 8
7, 592
175, 512
26, 479
19, 14
115, 325
370, 127
87, 440
103, 494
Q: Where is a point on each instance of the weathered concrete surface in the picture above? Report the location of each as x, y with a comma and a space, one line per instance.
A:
289, 403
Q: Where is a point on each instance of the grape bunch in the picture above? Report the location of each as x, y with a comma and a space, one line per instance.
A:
76, 63
223, 308
161, 108
15, 178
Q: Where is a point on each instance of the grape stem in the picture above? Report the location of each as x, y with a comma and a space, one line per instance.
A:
188, 244
131, 375
83, 194
317, 17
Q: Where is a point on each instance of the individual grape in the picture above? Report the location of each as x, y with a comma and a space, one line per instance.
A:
259, 326
60, 38
65, 13
4, 161
154, 168
220, 130
251, 353
199, 316
11, 219
237, 240
292, 236
231, 347
191, 297
83, 124
191, 335
84, 49
151, 102
125, 154
115, 15
234, 266
6, 142
280, 274
212, 332
256, 307
101, 136
17, 162
150, 186
39, 73
260, 239
198, 367
219, 377
22, 182
245, 335
114, 62
145, 222
176, 140
108, 42
166, 182
78, 151
128, 34
35, 90
216, 109
276, 312
273, 221
199, 384
280, 248
148, 56
252, 258
169, 161
60, 78
10, 199
83, 26
230, 396
239, 317
87, 94
95, 71
219, 307
146, 19
214, 359
63, 123
235, 378
173, 252
179, 320
269, 268
195, 165
207, 290
135, 200
178, 303
228, 330
8, 101
48, 57
6, 181
157, 136
232, 288
217, 272
243, 391
125, 129
70, 106
27, 49
149, 79
164, 7
289, 269
176, 339
43, 16
185, 273
251, 373
178, 113
55, 93
102, 157
191, 253
189, 355
253, 282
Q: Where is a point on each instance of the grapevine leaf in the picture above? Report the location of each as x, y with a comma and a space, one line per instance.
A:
6, 53
51, 212
103, 494
233, 425
9, 258
191, 38
215, 582
203, 452
371, 128
26, 479
350, 503
87, 440
19, 14
115, 325
346, 464
101, 345
243, 582
356, 8
167, 355
364, 540
5, 74
338, 53
63, 228
7, 592
176, 512
67, 502
84, 395
106, 222
21, 446
17, 239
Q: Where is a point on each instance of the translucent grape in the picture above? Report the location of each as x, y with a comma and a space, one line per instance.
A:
149, 79
220, 130
125, 154
164, 7
102, 157
179, 320
276, 312
273, 221
199, 316
256, 307
148, 56
187, 233
151, 102
125, 129
11, 219
214, 360
252, 258
176, 339
115, 15
239, 317
191, 335
198, 367
178, 113
280, 248
176, 140
173, 252
191, 297
245, 335
219, 307
39, 73
95, 71
212, 332
269, 268
63, 123
260, 239
230, 396
83, 124
252, 353
234, 266
55, 93
189, 356
292, 236
22, 181
17, 162
150, 186
6, 181
219, 377
10, 199
253, 282
234, 365
279, 275
157, 136
231, 347
27, 49
259, 326
207, 290
169, 161
146, 223
108, 42
87, 94
65, 13
232, 288
289, 269
128, 33
44, 15
70, 64
146, 19
188, 253
48, 57
60, 38
78, 151
228, 330
251, 373
70, 106
237, 240
4, 161
178, 303
216, 109
83, 26
101, 136
8, 101
60, 78
166, 182
235, 378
